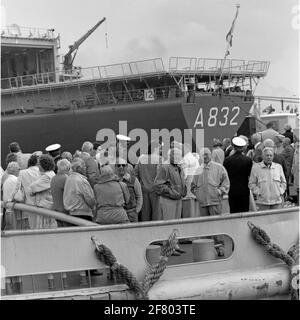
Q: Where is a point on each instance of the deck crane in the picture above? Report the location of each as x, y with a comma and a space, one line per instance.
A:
68, 58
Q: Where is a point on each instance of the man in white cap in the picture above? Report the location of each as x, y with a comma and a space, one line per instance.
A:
54, 152
238, 167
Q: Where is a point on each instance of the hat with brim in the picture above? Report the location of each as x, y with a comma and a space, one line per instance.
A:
238, 142
53, 147
121, 137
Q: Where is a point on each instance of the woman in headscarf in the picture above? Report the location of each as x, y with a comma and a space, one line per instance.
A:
111, 196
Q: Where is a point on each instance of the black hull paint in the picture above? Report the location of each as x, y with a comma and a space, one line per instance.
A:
71, 128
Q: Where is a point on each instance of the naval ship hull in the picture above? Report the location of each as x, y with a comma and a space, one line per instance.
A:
72, 127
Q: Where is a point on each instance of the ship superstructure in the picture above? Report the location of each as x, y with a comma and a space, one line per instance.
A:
56, 104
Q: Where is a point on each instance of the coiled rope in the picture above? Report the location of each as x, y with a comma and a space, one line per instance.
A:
291, 258
153, 273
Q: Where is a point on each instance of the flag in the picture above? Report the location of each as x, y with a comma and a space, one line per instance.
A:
230, 32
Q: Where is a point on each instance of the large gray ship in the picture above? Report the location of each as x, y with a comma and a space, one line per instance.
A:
45, 99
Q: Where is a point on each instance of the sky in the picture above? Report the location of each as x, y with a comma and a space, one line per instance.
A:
145, 29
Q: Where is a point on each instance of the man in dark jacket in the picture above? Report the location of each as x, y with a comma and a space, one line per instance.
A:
288, 132
238, 168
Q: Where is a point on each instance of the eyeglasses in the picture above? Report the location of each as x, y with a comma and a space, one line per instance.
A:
121, 165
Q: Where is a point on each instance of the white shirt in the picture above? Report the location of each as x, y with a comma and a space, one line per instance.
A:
189, 164
9, 187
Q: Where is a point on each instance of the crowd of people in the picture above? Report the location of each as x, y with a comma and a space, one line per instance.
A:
100, 185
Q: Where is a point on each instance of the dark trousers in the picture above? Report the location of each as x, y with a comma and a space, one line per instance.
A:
150, 209
238, 203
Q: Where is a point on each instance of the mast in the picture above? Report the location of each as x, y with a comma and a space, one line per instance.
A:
229, 37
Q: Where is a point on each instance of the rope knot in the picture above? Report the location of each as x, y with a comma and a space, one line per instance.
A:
163, 258
115, 266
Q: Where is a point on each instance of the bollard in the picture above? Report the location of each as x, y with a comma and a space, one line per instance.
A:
83, 279
64, 280
152, 254
51, 285
9, 286
17, 285
203, 250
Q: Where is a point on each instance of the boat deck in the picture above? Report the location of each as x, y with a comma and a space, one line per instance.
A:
243, 272
204, 68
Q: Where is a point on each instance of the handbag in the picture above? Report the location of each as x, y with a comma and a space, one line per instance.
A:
19, 196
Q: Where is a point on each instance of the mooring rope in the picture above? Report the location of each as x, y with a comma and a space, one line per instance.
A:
291, 258
153, 273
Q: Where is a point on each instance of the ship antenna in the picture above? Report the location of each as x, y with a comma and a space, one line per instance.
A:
106, 36
229, 37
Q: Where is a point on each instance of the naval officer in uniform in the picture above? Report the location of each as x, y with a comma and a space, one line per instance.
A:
54, 151
238, 167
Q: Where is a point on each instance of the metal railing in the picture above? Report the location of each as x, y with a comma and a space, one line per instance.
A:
179, 65
47, 213
121, 70
27, 32
213, 66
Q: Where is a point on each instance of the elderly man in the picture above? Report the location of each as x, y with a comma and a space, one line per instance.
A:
146, 170
269, 133
92, 171
278, 158
209, 184
267, 182
9, 188
255, 154
238, 167
78, 197
169, 184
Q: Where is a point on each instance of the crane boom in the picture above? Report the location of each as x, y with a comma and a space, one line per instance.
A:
68, 59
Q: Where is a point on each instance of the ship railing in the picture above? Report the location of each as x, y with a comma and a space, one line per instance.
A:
28, 80
120, 70
134, 68
209, 66
27, 32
